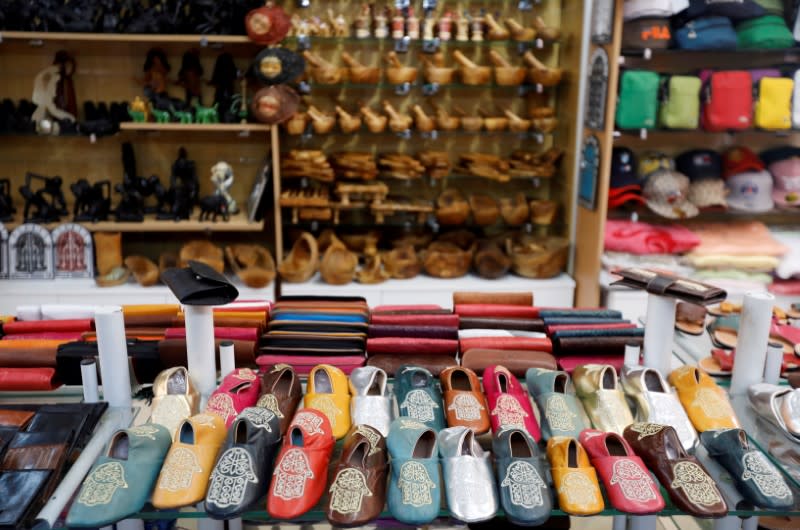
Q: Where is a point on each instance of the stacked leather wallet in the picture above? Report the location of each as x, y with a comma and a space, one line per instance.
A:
305, 331
422, 335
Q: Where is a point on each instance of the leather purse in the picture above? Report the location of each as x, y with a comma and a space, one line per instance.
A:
37, 450
29, 353
507, 343
39, 326
674, 286
422, 319
518, 324
143, 354
313, 341
15, 418
594, 345
412, 345
27, 379
390, 363
247, 333
20, 495
516, 361
421, 332
317, 327
470, 297
199, 284
172, 352
496, 310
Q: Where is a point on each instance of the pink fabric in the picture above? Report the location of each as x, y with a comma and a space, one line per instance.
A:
508, 401
449, 320
568, 364
250, 334
748, 238
507, 343
644, 238
303, 364
573, 327
47, 335
412, 346
497, 310
785, 287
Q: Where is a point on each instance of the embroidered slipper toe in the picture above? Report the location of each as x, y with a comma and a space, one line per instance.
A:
468, 478
415, 484
328, 392
418, 396
509, 404
561, 412
524, 494
464, 403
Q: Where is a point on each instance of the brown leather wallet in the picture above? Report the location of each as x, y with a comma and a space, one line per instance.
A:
520, 324
594, 345
389, 363
37, 450
173, 352
29, 353
674, 286
517, 361
15, 418
471, 297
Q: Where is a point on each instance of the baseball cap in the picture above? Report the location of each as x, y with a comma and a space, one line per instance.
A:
740, 159
750, 191
770, 156
708, 193
700, 164
624, 186
652, 162
786, 190
666, 193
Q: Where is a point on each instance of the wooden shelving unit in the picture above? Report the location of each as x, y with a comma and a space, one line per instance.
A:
152, 39
193, 127
236, 223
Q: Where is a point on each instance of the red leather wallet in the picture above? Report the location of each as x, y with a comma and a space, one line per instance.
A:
571, 327
469, 297
399, 308
39, 326
412, 345
19, 379
68, 336
507, 343
568, 364
449, 320
303, 364
497, 310
517, 361
250, 334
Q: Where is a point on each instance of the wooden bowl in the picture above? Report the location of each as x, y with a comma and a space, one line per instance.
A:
401, 74
328, 76
478, 75
296, 125
439, 74
519, 125
543, 260
472, 123
495, 123
451, 123
365, 74
549, 77
509, 75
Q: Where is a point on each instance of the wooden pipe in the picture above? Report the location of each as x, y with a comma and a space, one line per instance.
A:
376, 123
496, 31
422, 121
348, 123
446, 121
322, 122
519, 32
398, 122
515, 123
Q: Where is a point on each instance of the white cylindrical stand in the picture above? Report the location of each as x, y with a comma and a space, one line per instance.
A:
633, 353
643, 522
227, 359
113, 356
659, 330
208, 524
618, 522
772, 366
130, 524
729, 522
201, 360
751, 523
89, 381
751, 346
235, 524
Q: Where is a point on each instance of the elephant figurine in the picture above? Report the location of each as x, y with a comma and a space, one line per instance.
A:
206, 114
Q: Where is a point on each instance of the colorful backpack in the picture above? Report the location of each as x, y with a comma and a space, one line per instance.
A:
774, 104
637, 105
680, 102
727, 100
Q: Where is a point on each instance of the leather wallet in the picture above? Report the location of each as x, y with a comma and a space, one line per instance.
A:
6, 435
517, 324
422, 319
313, 341
421, 332
314, 298
389, 363
317, 327
37, 450
27, 379
80, 418
469, 297
65, 336
304, 364
674, 286
412, 345
15, 418
199, 284
507, 343
159, 315
517, 361
594, 345
408, 308
219, 333
568, 364
497, 310
172, 352
599, 332
572, 327
143, 354
20, 495
560, 321
39, 326
28, 353
580, 312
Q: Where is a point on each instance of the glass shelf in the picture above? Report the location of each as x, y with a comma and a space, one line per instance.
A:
772, 217
425, 44
364, 134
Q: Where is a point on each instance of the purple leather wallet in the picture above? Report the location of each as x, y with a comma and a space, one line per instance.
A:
422, 332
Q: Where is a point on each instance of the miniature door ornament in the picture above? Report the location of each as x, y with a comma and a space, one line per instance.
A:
73, 254
30, 249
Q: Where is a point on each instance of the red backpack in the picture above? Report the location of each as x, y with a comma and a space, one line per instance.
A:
728, 100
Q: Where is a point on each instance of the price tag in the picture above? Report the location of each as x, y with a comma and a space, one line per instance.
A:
535, 182
429, 5
431, 45
402, 90
402, 4
203, 42
303, 4
304, 87
539, 88
303, 43
432, 135
93, 138
405, 135
539, 44
429, 89
304, 182
314, 226
525, 5
539, 137
401, 45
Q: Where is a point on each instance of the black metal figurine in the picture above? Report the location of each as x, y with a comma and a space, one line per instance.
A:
47, 203
92, 201
184, 187
7, 209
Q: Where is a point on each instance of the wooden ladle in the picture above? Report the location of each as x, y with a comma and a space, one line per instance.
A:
516, 123
519, 32
397, 72
322, 122
348, 123
446, 121
436, 72
322, 71
496, 31
422, 121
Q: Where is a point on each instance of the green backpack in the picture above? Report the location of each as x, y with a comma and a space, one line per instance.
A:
637, 104
680, 102
767, 32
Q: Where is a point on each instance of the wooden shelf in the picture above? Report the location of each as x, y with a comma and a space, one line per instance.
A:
785, 217
236, 223
193, 127
123, 37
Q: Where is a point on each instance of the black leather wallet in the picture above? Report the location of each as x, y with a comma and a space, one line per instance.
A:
199, 284
20, 495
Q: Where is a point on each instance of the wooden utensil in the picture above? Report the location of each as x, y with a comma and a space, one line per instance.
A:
471, 73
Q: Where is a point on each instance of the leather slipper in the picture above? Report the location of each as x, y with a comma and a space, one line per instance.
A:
242, 472
627, 482
599, 390
415, 485
464, 403
561, 413
524, 494
574, 479
657, 402
690, 318
370, 404
184, 477
328, 392
690, 487
174, 398
281, 393
468, 478
301, 468
704, 401
144, 270
239, 390
418, 396
756, 478
120, 482
779, 405
509, 404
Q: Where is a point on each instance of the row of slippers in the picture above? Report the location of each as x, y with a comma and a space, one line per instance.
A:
358, 489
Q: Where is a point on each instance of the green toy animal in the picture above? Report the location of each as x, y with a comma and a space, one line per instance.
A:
161, 116
138, 116
183, 116
206, 114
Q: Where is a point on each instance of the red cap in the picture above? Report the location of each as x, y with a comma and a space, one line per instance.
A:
740, 159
